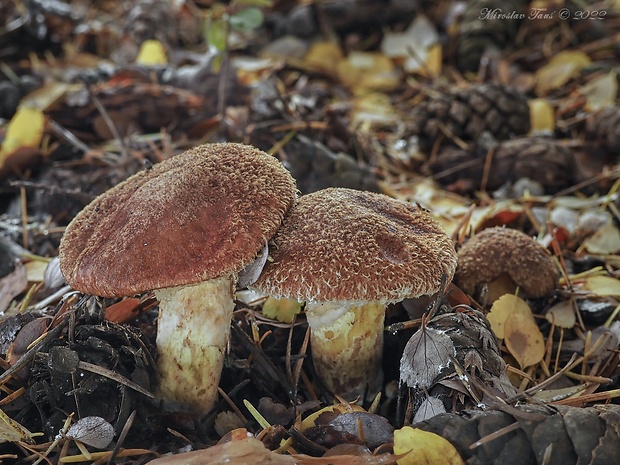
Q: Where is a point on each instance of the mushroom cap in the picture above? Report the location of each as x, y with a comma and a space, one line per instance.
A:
494, 251
346, 245
196, 216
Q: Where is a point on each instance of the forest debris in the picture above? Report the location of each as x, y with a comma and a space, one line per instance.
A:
415, 447
22, 140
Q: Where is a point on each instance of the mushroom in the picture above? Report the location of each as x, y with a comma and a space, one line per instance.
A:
183, 228
500, 257
347, 254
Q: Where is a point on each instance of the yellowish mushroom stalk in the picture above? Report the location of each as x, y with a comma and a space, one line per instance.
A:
347, 345
192, 332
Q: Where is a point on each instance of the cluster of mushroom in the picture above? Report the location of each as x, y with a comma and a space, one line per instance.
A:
186, 227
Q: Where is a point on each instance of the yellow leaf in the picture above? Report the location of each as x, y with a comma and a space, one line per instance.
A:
25, 131
561, 68
35, 270
524, 340
324, 56
152, 53
281, 309
502, 308
562, 314
368, 70
542, 116
419, 447
602, 285
605, 241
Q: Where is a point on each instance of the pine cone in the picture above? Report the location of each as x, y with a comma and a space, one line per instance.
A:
544, 161
467, 112
546, 434
603, 128
486, 23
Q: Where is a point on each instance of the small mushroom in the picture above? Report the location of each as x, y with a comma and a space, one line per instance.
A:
499, 254
347, 254
183, 228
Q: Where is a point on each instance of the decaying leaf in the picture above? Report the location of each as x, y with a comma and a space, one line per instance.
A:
426, 355
12, 285
367, 71
524, 340
419, 447
605, 241
431, 407
601, 92
93, 431
12, 431
324, 56
502, 308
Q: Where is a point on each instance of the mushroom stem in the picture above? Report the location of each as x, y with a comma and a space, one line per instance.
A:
192, 332
347, 345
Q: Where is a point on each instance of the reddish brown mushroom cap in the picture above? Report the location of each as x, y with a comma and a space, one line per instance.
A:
345, 245
495, 251
196, 216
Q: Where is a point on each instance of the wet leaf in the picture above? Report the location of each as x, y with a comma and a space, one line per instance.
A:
419, 447
426, 355
561, 68
524, 340
602, 285
93, 431
281, 309
502, 308
152, 53
562, 314
373, 429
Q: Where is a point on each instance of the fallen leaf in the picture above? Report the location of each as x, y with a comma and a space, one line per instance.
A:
601, 91
35, 270
152, 53
542, 117
561, 68
23, 137
367, 71
93, 431
605, 241
426, 355
122, 311
283, 309
417, 447
524, 340
562, 314
324, 56
502, 308
602, 285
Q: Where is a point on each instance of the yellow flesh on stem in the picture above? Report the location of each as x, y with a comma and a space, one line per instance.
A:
192, 333
347, 349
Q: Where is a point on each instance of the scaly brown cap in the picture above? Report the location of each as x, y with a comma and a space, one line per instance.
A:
196, 216
498, 250
345, 245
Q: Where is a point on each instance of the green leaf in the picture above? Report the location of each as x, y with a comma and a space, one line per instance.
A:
247, 19
216, 33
